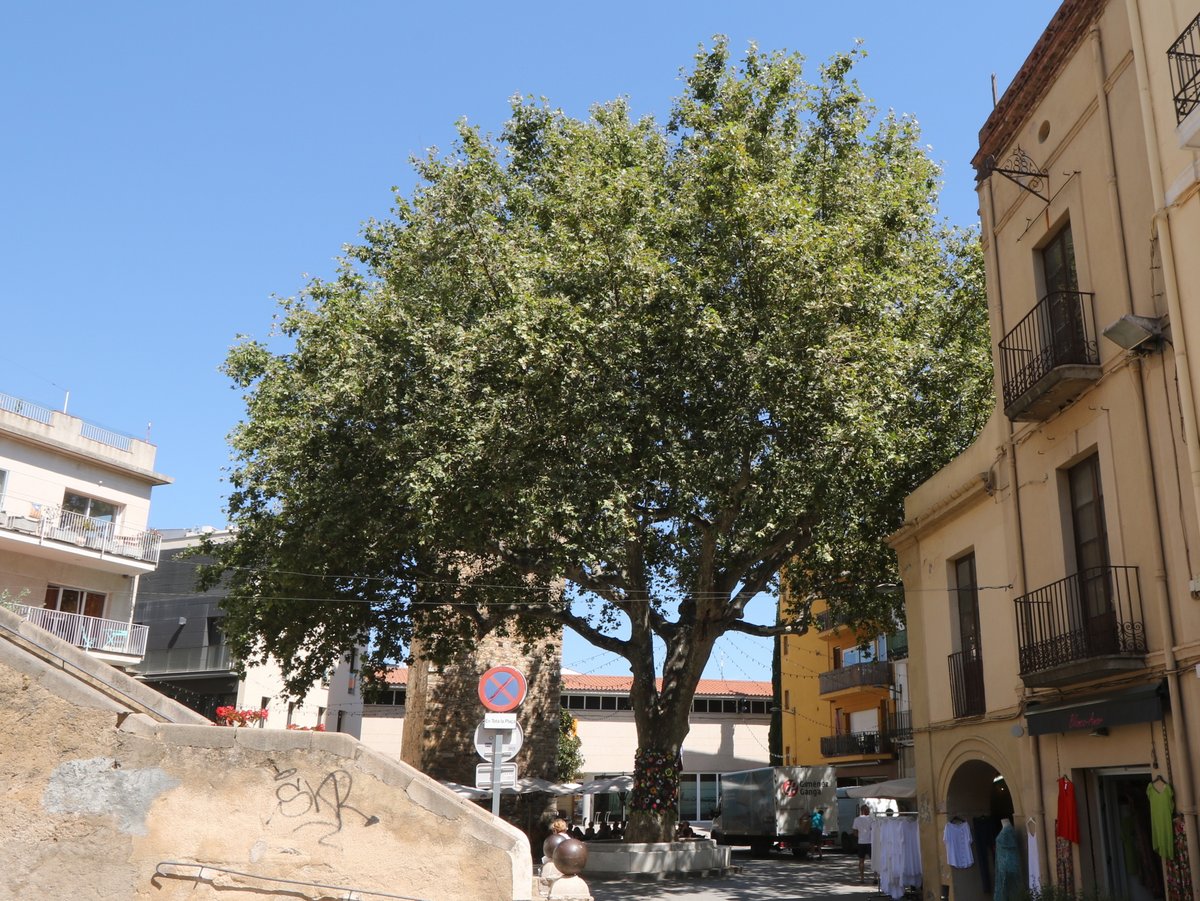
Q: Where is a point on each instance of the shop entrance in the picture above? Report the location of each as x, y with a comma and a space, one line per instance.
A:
978, 795
1129, 865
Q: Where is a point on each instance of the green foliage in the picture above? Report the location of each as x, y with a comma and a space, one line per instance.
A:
650, 363
570, 753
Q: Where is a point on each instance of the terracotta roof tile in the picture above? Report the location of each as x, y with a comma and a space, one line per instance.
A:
398, 675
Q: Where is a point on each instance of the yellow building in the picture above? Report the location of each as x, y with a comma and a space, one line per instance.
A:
1055, 565
843, 699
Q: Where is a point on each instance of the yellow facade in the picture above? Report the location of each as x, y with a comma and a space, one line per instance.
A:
1054, 566
840, 694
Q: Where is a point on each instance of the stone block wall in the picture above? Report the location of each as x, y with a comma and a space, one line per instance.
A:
114, 793
442, 709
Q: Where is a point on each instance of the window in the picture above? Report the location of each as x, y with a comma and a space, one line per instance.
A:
3, 485
624, 703
966, 595
74, 600
341, 720
1066, 327
266, 702
1091, 546
1058, 262
90, 507
591, 702
213, 634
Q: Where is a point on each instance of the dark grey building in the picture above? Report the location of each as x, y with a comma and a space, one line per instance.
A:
186, 655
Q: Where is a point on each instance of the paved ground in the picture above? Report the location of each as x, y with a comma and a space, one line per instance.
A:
775, 878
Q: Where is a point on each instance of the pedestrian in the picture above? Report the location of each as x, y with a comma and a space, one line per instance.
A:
862, 827
818, 832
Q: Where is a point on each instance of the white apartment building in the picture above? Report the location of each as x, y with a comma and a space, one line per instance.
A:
74, 505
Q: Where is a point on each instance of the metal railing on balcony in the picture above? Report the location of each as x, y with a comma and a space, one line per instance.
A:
966, 684
45, 415
826, 620
88, 632
850, 744
24, 408
1183, 59
1059, 331
899, 725
1095, 613
49, 522
874, 673
207, 659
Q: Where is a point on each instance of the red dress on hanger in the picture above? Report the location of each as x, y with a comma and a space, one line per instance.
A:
1068, 818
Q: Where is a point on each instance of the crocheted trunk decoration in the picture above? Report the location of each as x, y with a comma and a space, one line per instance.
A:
655, 781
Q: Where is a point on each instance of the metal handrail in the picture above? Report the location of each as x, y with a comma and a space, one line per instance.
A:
44, 415
88, 632
874, 672
50, 522
849, 743
36, 412
966, 684
1095, 612
1183, 59
1059, 331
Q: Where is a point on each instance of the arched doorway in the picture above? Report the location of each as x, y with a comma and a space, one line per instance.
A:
978, 795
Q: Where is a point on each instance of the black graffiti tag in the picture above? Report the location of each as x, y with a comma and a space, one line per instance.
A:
321, 807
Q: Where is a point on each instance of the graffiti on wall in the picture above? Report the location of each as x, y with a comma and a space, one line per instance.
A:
325, 808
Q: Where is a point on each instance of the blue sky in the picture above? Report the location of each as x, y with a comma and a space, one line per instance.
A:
166, 168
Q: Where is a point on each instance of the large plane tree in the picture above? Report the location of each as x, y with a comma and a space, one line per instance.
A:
612, 374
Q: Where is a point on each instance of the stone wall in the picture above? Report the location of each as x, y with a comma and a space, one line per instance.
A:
443, 708
114, 792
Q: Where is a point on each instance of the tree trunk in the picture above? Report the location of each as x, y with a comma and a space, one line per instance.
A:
654, 803
661, 715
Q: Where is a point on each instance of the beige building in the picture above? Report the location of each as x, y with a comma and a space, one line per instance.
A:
74, 504
1055, 565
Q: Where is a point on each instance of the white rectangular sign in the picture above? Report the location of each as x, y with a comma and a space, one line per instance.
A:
483, 775
505, 721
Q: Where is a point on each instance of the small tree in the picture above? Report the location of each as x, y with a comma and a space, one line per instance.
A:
650, 362
570, 753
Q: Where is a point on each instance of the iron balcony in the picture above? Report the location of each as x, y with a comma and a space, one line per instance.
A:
1081, 627
1050, 357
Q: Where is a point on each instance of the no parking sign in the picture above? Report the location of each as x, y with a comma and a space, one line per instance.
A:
502, 689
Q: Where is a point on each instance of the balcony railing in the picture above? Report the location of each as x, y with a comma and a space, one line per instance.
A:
1060, 332
88, 632
1096, 613
826, 620
1183, 59
207, 659
899, 725
44, 415
966, 684
49, 522
851, 744
876, 673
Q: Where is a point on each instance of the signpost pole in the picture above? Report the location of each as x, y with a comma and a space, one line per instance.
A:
497, 761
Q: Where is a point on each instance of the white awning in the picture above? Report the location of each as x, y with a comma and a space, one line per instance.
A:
522, 787
607, 784
893, 788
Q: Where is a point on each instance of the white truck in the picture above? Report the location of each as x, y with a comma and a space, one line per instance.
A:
773, 805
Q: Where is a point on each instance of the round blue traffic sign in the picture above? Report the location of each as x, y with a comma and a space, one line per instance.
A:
502, 689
